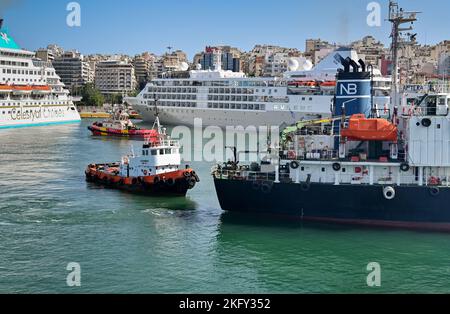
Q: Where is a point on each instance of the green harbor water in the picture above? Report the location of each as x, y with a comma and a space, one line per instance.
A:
49, 217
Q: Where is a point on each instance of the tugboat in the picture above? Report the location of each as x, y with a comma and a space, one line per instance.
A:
157, 172
119, 125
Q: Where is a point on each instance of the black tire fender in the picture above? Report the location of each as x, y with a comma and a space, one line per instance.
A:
336, 166
426, 122
305, 187
256, 185
434, 191
404, 167
266, 188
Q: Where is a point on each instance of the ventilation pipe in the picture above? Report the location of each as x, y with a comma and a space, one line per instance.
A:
354, 65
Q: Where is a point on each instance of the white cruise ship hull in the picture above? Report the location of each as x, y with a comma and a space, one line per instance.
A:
30, 116
221, 117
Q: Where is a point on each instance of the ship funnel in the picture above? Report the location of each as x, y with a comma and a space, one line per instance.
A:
353, 91
342, 61
363, 65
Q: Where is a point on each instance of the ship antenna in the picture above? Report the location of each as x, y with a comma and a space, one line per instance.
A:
398, 17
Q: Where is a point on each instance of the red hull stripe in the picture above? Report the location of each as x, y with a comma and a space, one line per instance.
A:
440, 227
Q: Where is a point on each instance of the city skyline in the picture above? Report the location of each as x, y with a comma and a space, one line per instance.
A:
192, 25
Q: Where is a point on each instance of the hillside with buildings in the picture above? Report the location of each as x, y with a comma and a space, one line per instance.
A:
123, 75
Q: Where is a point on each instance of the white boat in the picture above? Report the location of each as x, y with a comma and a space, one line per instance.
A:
31, 93
224, 98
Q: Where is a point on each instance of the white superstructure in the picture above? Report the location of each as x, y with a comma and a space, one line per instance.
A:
31, 93
225, 98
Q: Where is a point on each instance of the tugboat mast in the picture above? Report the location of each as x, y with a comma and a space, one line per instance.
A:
400, 39
156, 124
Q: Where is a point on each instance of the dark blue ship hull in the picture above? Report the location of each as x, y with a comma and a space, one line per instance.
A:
413, 207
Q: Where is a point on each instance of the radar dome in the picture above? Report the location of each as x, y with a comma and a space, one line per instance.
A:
184, 66
293, 64
307, 65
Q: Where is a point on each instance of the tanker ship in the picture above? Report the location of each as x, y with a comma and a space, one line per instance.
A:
358, 167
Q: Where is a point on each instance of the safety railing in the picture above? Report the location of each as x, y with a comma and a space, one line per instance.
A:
166, 143
395, 178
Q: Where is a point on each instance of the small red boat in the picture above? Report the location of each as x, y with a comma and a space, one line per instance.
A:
120, 125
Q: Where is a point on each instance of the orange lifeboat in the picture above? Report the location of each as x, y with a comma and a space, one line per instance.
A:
25, 88
361, 128
328, 84
44, 88
5, 88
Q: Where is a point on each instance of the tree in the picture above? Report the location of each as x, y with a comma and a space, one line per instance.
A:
91, 96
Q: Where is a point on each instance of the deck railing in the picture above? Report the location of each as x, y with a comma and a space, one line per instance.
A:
393, 179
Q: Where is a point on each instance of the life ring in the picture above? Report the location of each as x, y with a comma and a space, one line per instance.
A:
294, 164
389, 193
292, 154
336, 166
266, 188
434, 191
404, 167
426, 122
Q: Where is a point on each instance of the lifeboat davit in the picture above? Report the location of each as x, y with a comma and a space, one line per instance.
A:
361, 128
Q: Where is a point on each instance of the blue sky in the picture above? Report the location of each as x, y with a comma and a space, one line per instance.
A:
134, 26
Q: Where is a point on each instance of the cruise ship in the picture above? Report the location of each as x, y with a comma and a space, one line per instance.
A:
224, 98
31, 93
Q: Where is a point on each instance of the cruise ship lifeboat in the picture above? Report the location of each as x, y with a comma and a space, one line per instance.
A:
328, 85
361, 128
22, 89
5, 89
40, 90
